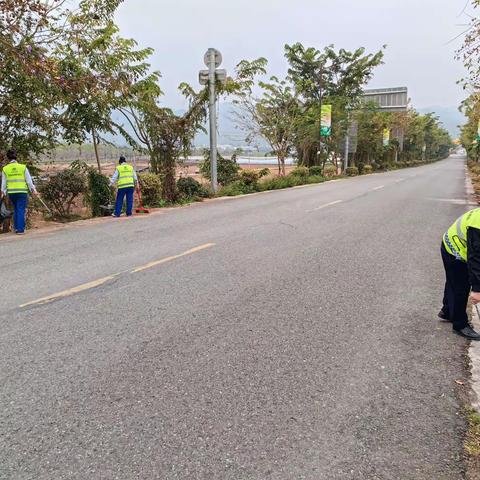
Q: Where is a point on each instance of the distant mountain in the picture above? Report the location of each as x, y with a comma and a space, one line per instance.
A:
229, 133
451, 118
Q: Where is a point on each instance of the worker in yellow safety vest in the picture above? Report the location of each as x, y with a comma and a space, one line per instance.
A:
461, 259
16, 184
126, 178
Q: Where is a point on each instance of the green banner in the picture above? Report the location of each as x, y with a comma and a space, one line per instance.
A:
386, 137
326, 121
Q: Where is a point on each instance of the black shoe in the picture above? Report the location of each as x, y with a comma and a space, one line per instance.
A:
468, 332
443, 315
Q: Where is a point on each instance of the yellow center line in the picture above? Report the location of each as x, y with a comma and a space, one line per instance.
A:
70, 291
174, 257
101, 281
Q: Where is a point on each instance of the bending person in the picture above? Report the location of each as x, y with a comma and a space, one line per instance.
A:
125, 177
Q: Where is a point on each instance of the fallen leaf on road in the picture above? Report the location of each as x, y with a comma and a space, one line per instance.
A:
459, 382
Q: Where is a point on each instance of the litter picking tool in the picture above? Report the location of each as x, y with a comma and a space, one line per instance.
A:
141, 209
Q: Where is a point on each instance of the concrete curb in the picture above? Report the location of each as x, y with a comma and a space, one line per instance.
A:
474, 349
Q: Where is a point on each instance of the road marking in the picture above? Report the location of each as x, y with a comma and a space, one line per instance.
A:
70, 291
102, 281
325, 206
174, 257
378, 188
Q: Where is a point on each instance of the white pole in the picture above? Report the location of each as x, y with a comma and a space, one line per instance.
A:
213, 121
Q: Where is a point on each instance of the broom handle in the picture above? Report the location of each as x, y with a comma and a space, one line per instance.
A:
44, 204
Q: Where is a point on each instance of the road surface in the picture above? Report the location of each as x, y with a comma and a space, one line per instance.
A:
286, 335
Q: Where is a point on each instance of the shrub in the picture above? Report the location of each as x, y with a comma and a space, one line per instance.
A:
188, 187
99, 193
316, 170
236, 188
367, 169
151, 187
315, 179
227, 170
329, 170
276, 183
352, 171
252, 177
61, 190
301, 172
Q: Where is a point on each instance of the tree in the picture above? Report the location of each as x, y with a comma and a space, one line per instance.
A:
326, 77
272, 116
104, 68
166, 136
29, 81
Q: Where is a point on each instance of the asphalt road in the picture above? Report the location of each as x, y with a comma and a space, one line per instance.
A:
288, 335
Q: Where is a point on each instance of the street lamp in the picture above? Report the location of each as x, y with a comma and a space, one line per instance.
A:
213, 59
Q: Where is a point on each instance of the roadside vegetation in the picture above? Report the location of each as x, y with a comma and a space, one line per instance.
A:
69, 81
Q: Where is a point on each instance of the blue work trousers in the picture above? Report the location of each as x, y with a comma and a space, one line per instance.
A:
19, 202
121, 194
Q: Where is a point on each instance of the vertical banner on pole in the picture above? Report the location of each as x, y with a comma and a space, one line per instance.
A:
326, 121
386, 137
478, 132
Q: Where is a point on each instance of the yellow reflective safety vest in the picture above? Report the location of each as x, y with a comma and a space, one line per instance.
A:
455, 240
16, 179
126, 178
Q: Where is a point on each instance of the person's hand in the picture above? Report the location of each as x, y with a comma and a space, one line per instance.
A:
35, 193
475, 297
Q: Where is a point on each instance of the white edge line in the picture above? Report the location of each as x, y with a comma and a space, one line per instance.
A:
325, 206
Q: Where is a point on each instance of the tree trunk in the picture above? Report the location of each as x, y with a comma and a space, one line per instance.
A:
281, 164
95, 147
168, 174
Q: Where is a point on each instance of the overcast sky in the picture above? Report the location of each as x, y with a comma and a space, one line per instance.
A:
419, 35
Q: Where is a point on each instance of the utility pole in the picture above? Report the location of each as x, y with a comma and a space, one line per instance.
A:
320, 92
347, 151
213, 59
213, 118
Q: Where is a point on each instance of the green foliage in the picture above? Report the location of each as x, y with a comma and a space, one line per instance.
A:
367, 169
315, 179
100, 193
151, 188
61, 190
328, 77
352, 171
280, 182
227, 169
188, 188
301, 172
238, 187
316, 170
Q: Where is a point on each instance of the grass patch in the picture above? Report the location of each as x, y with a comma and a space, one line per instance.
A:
472, 442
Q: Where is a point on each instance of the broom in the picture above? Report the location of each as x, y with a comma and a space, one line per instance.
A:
141, 209
50, 213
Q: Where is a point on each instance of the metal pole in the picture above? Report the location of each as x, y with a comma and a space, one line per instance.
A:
347, 152
347, 144
213, 121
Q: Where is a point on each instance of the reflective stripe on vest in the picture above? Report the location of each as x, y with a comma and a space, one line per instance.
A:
126, 178
16, 179
455, 240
